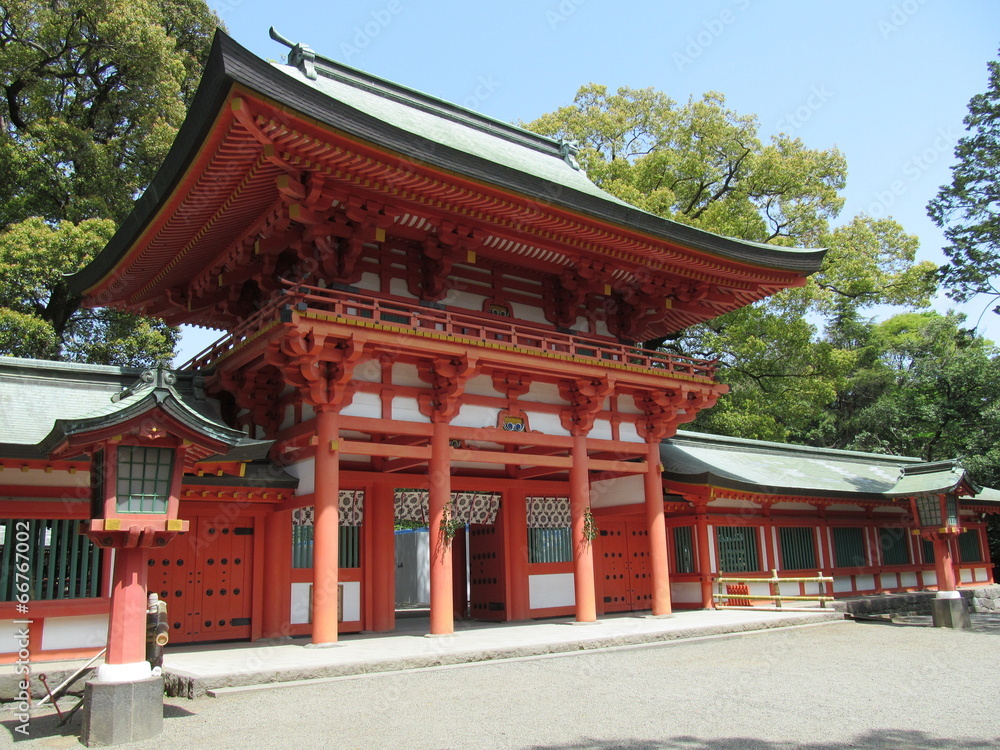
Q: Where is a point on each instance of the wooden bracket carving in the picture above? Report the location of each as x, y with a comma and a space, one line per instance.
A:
447, 377
586, 399
319, 368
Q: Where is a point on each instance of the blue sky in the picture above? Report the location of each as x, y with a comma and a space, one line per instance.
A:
886, 82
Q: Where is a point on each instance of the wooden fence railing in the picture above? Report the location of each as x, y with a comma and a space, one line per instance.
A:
737, 594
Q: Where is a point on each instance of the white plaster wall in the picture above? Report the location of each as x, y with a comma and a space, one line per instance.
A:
305, 472
793, 506
685, 593
601, 430
908, 579
551, 590
543, 393
481, 385
930, 578
841, 583
364, 405
308, 412
406, 409
8, 632
89, 631
981, 574
288, 417
397, 286
370, 281
352, 600
626, 405
757, 589
814, 588
368, 371
470, 415
788, 589
628, 433
548, 424
712, 565
299, 613
466, 301
601, 329
627, 490
55, 478
404, 374
728, 502
300, 602
965, 576
865, 583
528, 313
889, 580
582, 325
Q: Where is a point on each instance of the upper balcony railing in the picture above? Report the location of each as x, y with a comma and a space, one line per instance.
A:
479, 329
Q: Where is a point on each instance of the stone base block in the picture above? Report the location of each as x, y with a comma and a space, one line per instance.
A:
118, 712
950, 613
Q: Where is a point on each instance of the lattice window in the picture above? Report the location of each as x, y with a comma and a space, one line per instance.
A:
849, 547
894, 546
351, 509
683, 550
737, 547
62, 563
144, 479
550, 545
969, 548
798, 547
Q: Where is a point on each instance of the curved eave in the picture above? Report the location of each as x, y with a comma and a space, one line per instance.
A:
230, 64
722, 481
211, 435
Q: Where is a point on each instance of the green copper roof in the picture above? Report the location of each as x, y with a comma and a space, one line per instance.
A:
42, 402
778, 468
938, 478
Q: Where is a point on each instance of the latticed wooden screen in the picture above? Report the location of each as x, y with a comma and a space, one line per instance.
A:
62, 563
849, 547
549, 545
683, 550
737, 549
894, 546
798, 547
969, 548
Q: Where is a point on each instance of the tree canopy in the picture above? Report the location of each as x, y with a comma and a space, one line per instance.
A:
703, 164
969, 208
93, 94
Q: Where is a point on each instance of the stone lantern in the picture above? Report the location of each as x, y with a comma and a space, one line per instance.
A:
933, 490
140, 446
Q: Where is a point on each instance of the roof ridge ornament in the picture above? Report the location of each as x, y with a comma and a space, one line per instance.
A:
568, 149
301, 55
159, 376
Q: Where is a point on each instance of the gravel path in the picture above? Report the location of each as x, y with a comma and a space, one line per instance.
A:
837, 686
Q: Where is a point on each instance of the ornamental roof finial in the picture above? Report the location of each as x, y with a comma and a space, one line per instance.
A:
300, 56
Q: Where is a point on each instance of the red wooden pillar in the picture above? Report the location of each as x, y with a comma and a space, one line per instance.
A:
657, 527
704, 558
583, 548
326, 531
277, 573
944, 564
383, 571
442, 604
127, 621
515, 538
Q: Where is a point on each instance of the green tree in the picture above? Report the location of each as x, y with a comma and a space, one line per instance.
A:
969, 208
93, 94
705, 165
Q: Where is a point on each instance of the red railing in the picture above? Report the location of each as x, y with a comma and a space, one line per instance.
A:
486, 330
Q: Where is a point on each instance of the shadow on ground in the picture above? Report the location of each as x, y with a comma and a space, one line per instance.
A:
46, 723
897, 739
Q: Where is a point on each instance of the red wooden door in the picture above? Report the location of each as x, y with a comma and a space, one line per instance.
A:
624, 556
205, 577
487, 588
